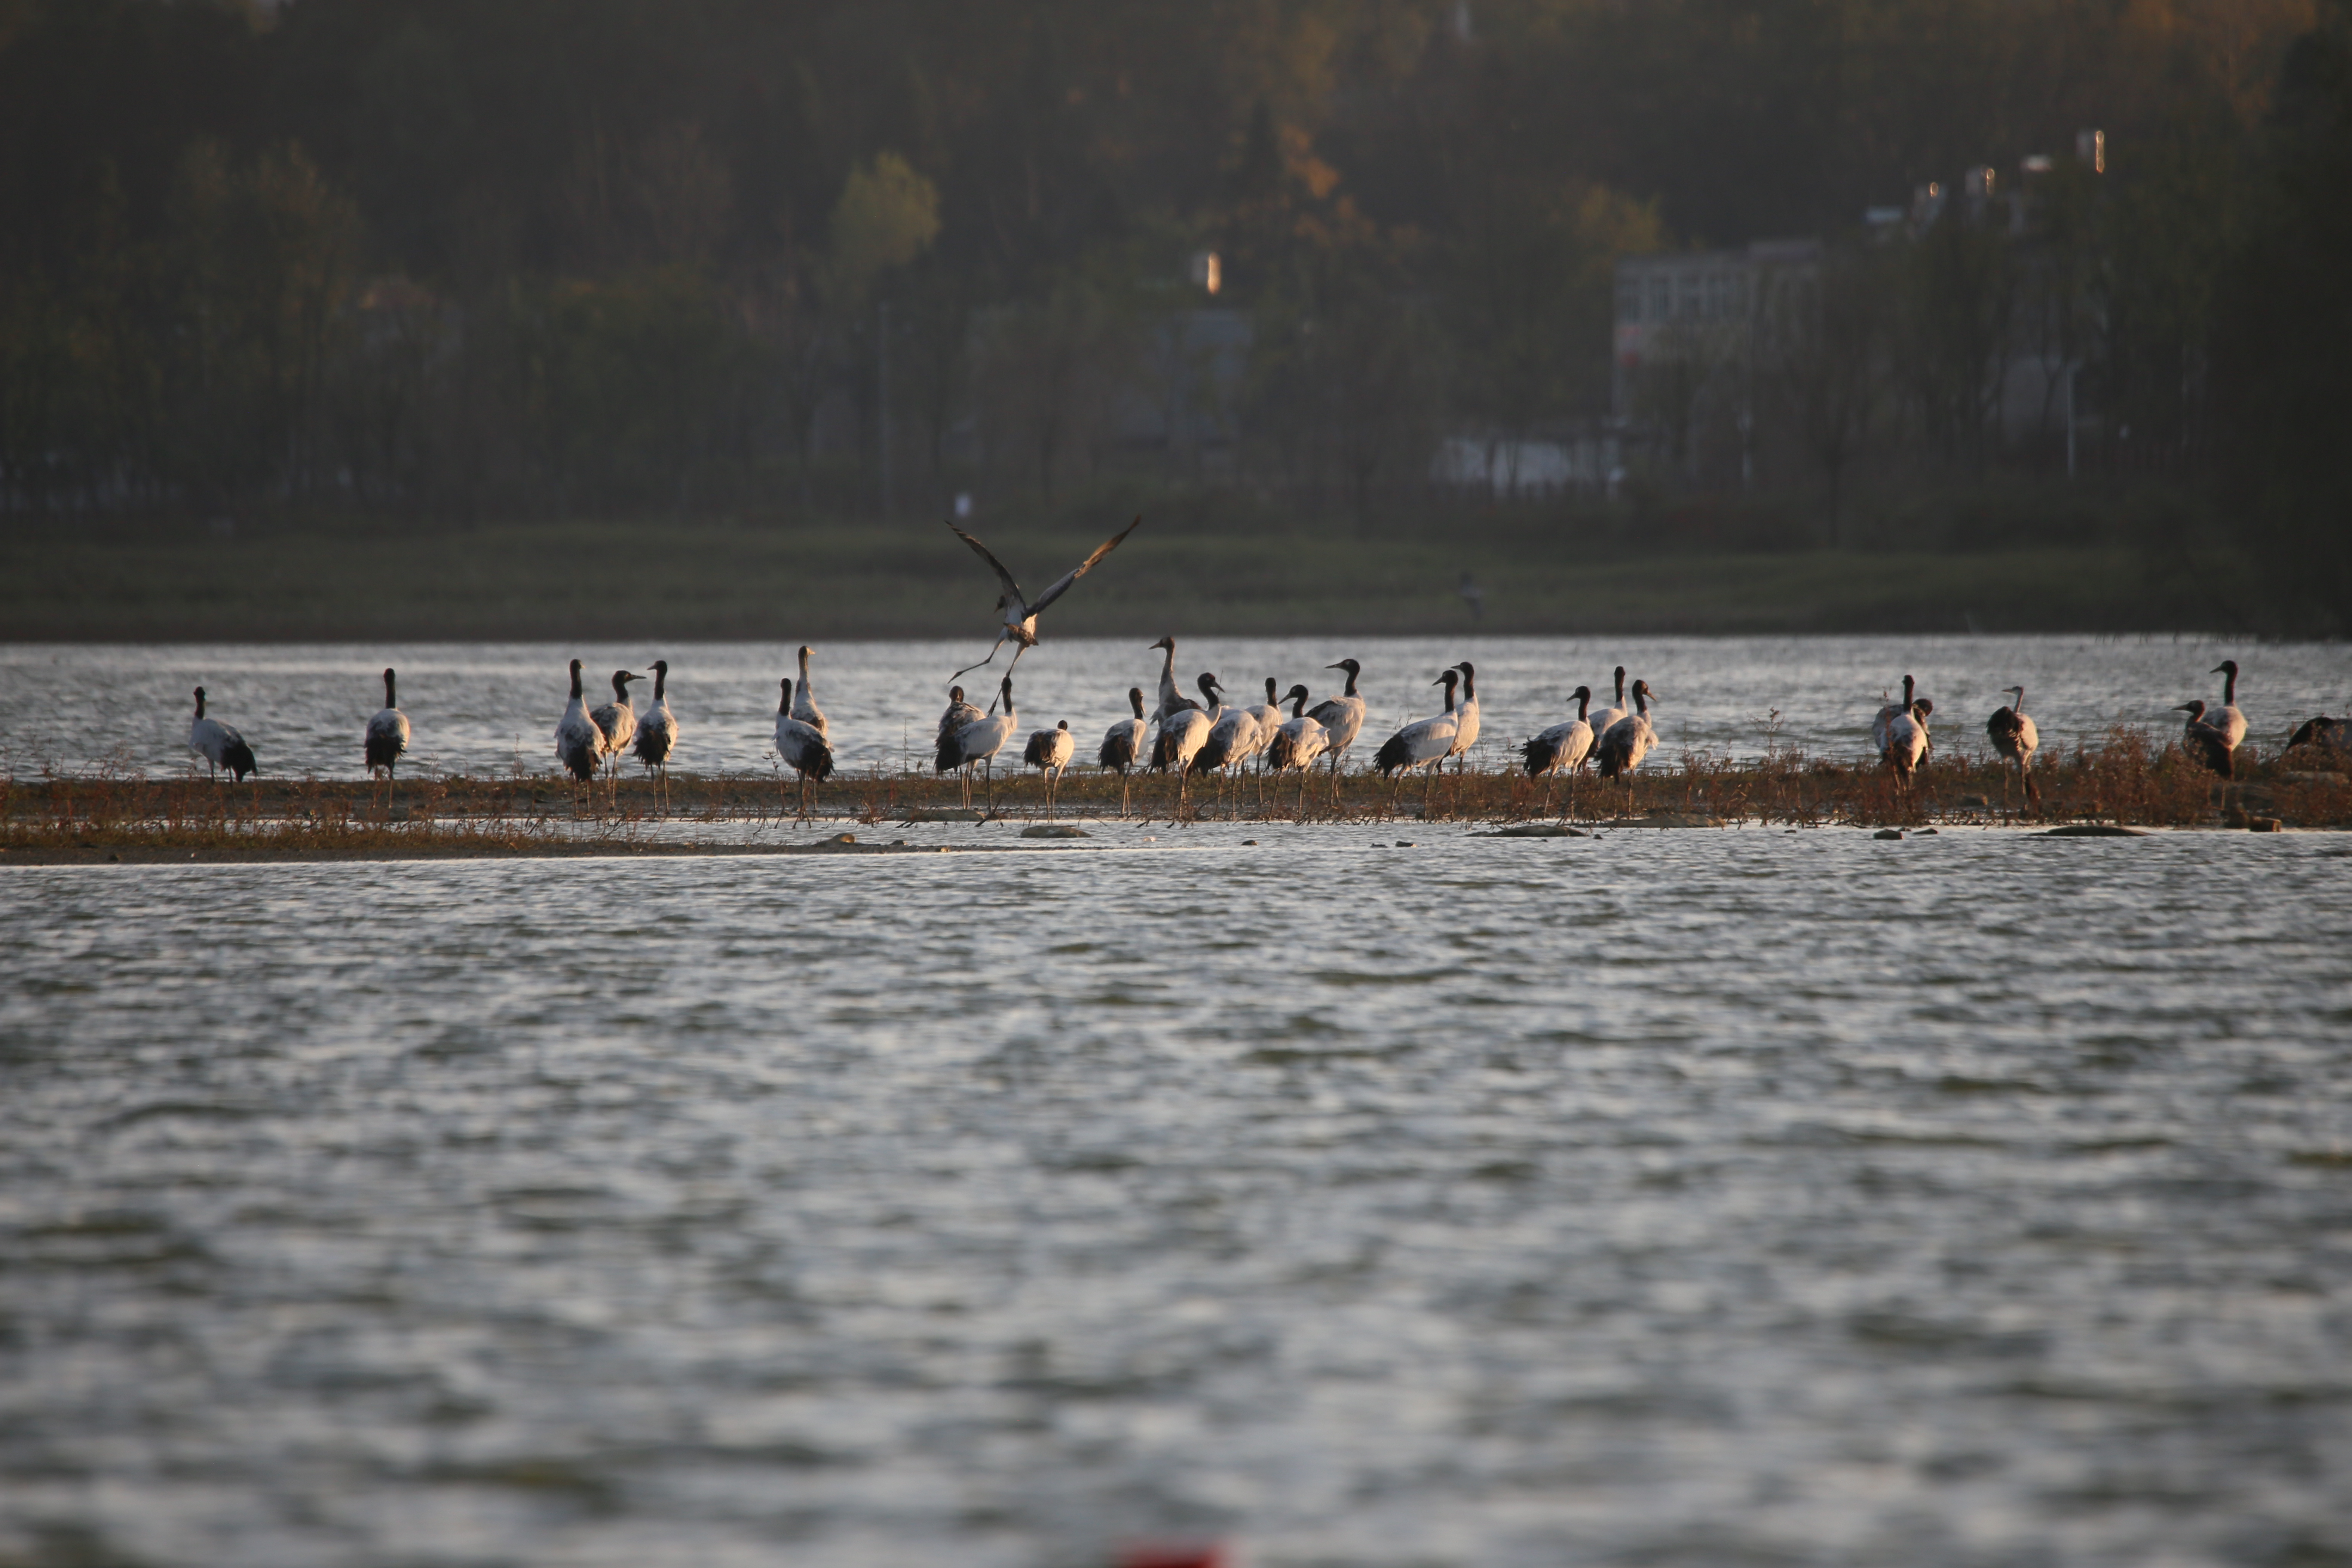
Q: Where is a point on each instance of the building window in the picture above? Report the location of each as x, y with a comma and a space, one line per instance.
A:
1629, 301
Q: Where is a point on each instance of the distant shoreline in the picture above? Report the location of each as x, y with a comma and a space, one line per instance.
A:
68, 583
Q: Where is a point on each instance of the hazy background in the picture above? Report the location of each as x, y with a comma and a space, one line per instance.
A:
518, 317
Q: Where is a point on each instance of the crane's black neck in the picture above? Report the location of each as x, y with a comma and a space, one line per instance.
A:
575, 681
391, 697
784, 705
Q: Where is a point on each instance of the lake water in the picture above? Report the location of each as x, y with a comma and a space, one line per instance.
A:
481, 708
1671, 1199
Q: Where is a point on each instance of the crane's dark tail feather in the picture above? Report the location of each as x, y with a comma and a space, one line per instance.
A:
1538, 756
2210, 750
1115, 755
237, 758
950, 756
1391, 756
821, 766
1613, 762
383, 751
580, 763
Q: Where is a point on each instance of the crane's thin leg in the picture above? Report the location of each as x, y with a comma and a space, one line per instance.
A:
968, 669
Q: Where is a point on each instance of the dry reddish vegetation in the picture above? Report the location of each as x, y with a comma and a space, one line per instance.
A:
2126, 777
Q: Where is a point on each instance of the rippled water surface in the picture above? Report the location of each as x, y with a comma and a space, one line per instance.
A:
1687, 1198
490, 707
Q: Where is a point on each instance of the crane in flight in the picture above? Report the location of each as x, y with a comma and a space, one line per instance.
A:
1020, 611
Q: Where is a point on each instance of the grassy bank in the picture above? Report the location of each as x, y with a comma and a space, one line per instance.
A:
2130, 780
72, 580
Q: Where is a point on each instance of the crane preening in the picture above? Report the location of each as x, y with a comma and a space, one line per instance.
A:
1020, 611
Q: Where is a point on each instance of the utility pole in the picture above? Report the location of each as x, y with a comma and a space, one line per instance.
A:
882, 408
2071, 366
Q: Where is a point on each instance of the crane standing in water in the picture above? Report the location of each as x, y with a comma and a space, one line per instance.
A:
386, 738
979, 742
1561, 749
1123, 745
1628, 740
220, 746
657, 731
1342, 718
1049, 751
803, 750
2016, 739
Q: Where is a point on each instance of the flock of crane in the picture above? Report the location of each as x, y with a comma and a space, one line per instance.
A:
1211, 735
1188, 736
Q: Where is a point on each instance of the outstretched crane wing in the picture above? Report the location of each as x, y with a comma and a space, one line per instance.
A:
1083, 567
1012, 589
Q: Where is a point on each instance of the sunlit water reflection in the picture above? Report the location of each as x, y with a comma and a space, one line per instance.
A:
1669, 1197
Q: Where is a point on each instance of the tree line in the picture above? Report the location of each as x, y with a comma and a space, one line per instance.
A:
549, 258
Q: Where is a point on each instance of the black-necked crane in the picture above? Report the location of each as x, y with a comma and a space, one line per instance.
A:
2327, 734
1171, 700
1298, 742
1606, 720
579, 744
1906, 745
617, 721
387, 737
220, 746
1182, 733
2015, 738
1233, 736
1122, 745
2205, 742
1342, 718
2226, 719
657, 731
803, 750
1049, 751
1890, 713
980, 740
1268, 715
1561, 749
1020, 611
1624, 743
1466, 717
804, 708
959, 713
1425, 743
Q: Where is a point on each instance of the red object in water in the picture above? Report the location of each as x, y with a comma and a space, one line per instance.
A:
1175, 1554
